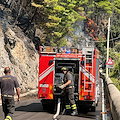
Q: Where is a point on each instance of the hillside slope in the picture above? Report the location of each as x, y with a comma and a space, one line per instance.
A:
18, 52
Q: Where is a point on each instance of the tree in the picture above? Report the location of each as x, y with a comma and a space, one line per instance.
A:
115, 72
56, 17
117, 48
115, 23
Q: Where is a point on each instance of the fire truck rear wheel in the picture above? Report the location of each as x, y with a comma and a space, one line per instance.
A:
93, 108
45, 107
48, 107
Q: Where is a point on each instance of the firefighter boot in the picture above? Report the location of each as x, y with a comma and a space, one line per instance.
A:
8, 118
74, 110
74, 113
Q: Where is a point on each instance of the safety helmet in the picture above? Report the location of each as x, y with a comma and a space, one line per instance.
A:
64, 68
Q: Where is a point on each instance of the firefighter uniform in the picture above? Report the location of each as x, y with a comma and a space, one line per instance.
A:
69, 93
7, 85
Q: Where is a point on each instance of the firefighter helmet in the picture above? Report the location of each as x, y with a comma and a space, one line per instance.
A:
64, 68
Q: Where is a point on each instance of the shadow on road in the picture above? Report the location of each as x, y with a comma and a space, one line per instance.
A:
33, 107
91, 116
37, 107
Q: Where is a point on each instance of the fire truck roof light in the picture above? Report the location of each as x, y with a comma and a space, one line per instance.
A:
67, 51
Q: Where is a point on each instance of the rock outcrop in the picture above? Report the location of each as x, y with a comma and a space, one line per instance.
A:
18, 52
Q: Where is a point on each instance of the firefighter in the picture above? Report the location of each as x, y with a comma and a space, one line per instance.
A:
7, 85
68, 87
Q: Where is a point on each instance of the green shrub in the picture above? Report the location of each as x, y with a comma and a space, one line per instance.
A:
117, 47
116, 82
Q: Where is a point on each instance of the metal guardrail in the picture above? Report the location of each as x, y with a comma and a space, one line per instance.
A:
113, 96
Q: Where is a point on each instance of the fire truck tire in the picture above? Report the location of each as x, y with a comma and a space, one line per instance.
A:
45, 107
93, 108
83, 109
48, 107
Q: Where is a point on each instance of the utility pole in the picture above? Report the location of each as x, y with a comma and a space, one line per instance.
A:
108, 45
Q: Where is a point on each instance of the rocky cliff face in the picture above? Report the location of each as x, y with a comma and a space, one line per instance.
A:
18, 52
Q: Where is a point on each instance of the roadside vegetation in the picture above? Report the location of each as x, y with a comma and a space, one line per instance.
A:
57, 18
115, 72
114, 54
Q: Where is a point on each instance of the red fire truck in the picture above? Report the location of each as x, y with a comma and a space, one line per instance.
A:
83, 63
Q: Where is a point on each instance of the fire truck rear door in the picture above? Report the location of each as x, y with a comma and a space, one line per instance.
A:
46, 76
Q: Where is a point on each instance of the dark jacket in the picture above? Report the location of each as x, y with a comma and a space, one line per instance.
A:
68, 76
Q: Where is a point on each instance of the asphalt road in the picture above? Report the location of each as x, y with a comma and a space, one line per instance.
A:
31, 109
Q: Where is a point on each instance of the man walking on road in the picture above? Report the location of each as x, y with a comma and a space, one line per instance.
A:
7, 85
